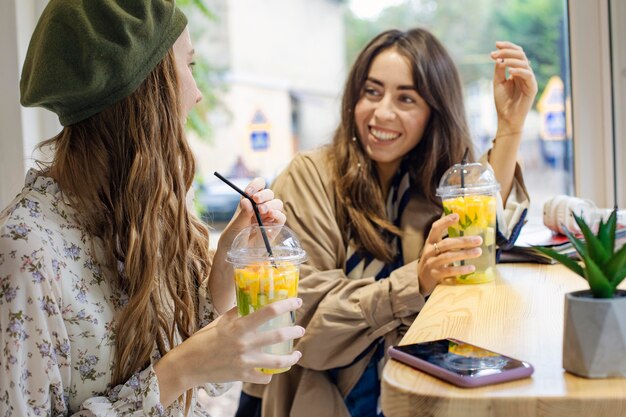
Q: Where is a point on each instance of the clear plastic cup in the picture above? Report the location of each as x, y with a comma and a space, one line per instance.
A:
469, 190
261, 279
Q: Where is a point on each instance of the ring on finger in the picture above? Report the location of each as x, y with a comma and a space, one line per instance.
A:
437, 249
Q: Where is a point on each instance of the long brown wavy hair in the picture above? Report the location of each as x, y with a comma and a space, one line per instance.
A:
360, 200
127, 171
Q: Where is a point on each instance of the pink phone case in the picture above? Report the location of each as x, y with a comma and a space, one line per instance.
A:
460, 380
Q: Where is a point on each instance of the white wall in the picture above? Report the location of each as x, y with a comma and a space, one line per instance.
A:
20, 129
11, 142
276, 38
299, 44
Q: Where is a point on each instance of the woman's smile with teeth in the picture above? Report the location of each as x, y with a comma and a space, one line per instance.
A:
383, 135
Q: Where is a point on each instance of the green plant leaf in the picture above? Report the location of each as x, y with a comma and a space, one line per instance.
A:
568, 262
596, 250
598, 282
197, 5
619, 277
616, 267
200, 4
452, 232
197, 124
467, 223
603, 236
446, 210
577, 243
612, 225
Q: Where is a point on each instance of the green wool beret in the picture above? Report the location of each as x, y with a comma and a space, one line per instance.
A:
86, 55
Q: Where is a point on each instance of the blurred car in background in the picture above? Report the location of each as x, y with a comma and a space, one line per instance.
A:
216, 202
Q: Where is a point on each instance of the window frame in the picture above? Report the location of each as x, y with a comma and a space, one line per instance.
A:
592, 107
618, 51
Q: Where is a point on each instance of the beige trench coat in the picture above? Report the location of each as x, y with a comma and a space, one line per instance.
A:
343, 316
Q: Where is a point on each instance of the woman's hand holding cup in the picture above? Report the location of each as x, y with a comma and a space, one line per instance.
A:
438, 256
229, 349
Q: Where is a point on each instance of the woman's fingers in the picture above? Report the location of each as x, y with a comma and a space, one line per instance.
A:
275, 218
254, 320
455, 243
231, 347
507, 44
440, 227
453, 256
246, 206
269, 361
450, 271
262, 196
270, 211
267, 206
429, 276
270, 208
256, 185
529, 83
282, 334
509, 54
512, 63
437, 262
525, 74
513, 57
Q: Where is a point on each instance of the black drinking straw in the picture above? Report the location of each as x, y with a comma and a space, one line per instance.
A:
256, 212
464, 162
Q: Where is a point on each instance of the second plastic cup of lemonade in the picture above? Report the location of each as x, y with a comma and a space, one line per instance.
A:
261, 280
470, 191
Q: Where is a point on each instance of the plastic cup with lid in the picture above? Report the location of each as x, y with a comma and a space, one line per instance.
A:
469, 190
261, 279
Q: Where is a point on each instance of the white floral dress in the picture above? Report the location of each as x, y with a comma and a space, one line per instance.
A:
57, 314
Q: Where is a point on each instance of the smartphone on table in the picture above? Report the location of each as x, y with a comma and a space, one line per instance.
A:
461, 363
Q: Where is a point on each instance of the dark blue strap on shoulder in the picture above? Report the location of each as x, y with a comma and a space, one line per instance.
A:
504, 243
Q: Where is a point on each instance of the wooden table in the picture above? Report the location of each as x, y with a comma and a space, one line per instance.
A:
519, 315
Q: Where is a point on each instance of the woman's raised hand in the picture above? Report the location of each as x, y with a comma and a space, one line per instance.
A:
438, 254
270, 210
513, 96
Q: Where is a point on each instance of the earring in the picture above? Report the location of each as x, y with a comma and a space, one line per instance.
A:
353, 138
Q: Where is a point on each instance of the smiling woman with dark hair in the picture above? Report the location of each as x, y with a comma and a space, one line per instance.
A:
366, 211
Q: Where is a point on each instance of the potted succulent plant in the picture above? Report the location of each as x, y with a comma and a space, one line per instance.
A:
594, 339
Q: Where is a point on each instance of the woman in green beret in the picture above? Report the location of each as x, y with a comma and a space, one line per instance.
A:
109, 297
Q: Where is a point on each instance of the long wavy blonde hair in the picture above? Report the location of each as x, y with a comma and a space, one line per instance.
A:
127, 171
360, 201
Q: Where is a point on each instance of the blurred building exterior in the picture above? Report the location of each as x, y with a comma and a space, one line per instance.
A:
282, 63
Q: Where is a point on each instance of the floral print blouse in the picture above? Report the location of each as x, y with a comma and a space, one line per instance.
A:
57, 314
